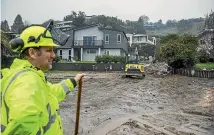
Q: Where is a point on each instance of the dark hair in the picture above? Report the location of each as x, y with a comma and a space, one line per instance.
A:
25, 52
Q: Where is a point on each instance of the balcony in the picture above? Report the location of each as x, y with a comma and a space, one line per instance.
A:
88, 44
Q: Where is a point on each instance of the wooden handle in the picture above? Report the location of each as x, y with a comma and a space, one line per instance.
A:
78, 106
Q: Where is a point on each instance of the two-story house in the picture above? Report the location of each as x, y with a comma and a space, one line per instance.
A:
207, 41
87, 42
140, 39
140, 44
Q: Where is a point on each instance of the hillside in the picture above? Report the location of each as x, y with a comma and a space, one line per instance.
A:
194, 29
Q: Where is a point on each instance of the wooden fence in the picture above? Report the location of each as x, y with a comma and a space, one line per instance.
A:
194, 73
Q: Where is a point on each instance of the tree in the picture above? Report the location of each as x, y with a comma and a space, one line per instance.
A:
18, 25
145, 18
4, 26
171, 23
179, 51
140, 26
209, 20
77, 18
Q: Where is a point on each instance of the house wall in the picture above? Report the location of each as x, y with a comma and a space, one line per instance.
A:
65, 53
89, 56
113, 40
139, 39
115, 52
93, 31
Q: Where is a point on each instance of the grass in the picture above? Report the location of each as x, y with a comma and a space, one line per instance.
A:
205, 65
65, 61
85, 62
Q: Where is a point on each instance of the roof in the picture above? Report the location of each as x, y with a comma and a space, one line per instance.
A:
85, 27
101, 28
65, 22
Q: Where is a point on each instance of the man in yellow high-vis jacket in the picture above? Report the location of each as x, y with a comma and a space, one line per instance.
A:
30, 104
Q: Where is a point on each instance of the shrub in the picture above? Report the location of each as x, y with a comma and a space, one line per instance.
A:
107, 58
98, 59
203, 56
75, 58
116, 59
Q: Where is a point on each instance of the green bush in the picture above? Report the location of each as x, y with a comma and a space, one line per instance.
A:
116, 59
123, 60
109, 59
203, 56
57, 58
98, 59
75, 58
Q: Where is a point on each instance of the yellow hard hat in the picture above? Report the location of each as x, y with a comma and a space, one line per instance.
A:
34, 37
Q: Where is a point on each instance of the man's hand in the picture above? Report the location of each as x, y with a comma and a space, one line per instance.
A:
78, 77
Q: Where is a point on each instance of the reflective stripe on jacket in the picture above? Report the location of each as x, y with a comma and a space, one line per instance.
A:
29, 103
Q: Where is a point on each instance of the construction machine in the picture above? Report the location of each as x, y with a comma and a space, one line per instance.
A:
134, 69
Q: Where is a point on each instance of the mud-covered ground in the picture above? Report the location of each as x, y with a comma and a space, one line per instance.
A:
171, 105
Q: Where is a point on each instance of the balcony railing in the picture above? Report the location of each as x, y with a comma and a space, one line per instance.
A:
86, 43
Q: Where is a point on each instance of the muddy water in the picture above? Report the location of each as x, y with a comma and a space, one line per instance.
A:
169, 105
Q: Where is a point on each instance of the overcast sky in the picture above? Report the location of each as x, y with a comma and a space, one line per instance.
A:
38, 11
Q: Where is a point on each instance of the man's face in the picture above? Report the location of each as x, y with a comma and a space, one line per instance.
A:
44, 58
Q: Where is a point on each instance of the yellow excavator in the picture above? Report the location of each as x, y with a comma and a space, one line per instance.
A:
134, 69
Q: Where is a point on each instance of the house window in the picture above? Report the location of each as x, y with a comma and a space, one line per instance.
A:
118, 38
107, 39
107, 52
89, 40
91, 51
60, 53
138, 39
69, 54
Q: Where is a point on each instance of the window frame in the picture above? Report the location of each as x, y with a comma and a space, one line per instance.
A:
119, 41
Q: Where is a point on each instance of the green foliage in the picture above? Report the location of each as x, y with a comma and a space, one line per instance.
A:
209, 21
179, 50
203, 56
75, 58
98, 59
5, 48
18, 25
123, 60
116, 59
109, 59
4, 26
204, 65
57, 58
77, 18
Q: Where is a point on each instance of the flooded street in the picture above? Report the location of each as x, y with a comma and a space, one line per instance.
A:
110, 105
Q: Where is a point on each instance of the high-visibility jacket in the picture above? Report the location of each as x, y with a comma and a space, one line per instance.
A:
30, 104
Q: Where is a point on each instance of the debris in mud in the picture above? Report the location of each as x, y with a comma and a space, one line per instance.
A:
188, 109
158, 69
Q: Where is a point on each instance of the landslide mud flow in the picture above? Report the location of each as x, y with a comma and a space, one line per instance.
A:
169, 105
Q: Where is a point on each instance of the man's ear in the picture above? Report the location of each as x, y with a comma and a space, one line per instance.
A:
32, 53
